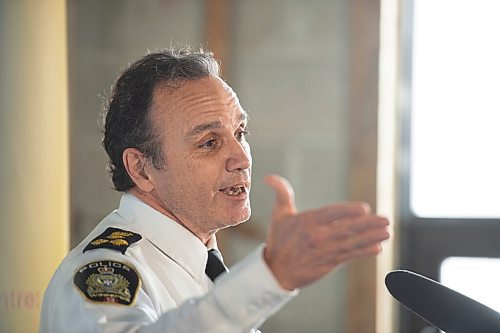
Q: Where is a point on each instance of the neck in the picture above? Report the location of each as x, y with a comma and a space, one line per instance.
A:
158, 205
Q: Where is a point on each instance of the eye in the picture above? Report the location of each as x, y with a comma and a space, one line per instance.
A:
210, 144
241, 135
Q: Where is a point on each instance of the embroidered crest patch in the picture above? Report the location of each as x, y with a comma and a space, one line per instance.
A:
114, 239
108, 281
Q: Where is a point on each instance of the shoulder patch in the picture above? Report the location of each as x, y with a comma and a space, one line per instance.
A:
114, 239
108, 282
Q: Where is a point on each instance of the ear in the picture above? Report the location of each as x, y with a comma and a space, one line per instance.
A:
135, 163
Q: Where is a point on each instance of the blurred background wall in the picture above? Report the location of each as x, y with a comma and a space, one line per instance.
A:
305, 71
34, 200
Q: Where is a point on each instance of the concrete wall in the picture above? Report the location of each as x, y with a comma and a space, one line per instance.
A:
289, 61
104, 36
289, 68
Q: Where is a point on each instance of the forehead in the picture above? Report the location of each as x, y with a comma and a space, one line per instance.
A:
196, 101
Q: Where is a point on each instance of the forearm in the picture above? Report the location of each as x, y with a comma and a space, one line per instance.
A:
240, 300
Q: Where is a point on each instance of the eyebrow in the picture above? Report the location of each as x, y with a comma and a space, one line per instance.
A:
211, 125
204, 127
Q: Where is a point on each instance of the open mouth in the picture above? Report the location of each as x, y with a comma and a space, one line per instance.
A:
234, 190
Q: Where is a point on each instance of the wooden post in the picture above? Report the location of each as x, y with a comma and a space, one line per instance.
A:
363, 88
217, 28
217, 40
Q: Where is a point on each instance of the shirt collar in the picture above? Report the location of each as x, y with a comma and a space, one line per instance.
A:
170, 237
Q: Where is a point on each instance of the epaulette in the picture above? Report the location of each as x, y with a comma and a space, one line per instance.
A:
114, 239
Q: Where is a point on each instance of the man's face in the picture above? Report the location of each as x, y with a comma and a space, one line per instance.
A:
205, 183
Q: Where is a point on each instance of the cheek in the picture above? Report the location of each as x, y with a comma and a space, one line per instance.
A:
194, 180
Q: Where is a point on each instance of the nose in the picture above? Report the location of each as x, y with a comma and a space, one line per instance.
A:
239, 157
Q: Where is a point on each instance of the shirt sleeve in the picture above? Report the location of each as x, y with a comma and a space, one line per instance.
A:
240, 301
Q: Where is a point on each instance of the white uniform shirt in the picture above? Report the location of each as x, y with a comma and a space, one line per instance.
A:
173, 292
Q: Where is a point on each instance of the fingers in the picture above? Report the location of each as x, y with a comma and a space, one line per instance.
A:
361, 244
351, 237
357, 225
350, 226
343, 220
342, 210
367, 238
371, 250
285, 201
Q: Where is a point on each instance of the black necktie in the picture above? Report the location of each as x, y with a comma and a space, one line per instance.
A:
215, 266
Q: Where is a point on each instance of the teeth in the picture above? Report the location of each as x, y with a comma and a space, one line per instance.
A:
234, 190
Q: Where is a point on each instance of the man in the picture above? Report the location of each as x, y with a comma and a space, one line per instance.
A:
175, 136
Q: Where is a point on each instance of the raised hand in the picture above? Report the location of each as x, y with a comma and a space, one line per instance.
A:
303, 247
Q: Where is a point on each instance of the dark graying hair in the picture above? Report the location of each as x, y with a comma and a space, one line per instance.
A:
127, 123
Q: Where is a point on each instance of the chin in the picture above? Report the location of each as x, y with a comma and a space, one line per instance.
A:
247, 217
240, 218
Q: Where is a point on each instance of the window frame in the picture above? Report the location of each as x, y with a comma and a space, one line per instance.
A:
426, 241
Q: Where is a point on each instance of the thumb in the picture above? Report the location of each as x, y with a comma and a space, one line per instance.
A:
285, 201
